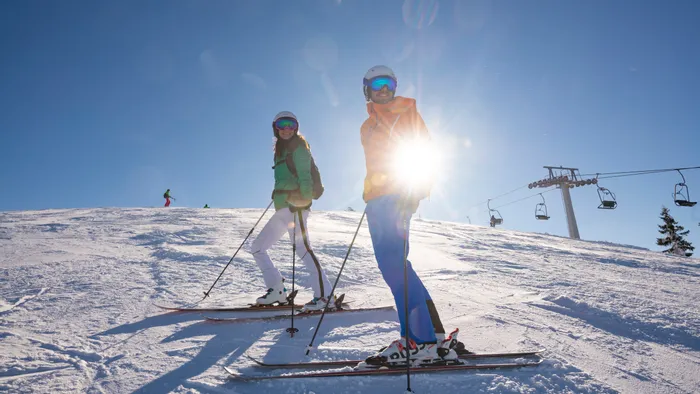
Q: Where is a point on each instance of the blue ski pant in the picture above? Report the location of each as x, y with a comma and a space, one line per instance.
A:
389, 229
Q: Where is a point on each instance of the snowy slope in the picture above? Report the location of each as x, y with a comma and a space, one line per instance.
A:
78, 287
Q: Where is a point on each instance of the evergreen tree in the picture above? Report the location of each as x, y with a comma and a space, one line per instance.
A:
674, 236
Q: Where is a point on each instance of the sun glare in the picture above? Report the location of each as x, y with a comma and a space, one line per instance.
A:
416, 163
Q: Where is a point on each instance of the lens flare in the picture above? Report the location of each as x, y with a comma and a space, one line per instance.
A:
416, 163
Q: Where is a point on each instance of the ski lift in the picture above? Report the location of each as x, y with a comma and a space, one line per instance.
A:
607, 198
496, 217
681, 195
541, 210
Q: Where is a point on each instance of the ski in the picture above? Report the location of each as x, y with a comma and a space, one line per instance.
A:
382, 371
344, 363
249, 308
296, 315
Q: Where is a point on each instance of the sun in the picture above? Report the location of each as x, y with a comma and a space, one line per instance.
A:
416, 163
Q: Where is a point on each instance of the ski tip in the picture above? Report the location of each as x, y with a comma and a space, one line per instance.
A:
233, 374
533, 363
255, 360
171, 308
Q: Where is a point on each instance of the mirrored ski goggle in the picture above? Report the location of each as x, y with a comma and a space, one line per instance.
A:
377, 83
286, 123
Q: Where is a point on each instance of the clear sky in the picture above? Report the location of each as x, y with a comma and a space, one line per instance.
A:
110, 103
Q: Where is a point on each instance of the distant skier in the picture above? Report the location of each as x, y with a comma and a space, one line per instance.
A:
493, 221
390, 205
292, 196
206, 205
167, 197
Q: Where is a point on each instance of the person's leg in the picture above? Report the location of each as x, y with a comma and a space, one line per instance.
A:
271, 233
389, 230
319, 282
167, 202
434, 316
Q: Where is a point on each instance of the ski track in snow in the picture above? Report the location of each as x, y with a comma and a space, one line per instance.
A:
78, 288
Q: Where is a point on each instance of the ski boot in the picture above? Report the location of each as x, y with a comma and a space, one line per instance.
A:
393, 355
317, 304
422, 354
274, 295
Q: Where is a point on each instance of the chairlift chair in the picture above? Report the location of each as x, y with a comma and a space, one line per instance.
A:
607, 199
681, 194
541, 210
496, 217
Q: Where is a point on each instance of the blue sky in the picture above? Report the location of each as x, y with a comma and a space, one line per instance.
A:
111, 103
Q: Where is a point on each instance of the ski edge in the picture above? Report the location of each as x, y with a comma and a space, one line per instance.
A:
385, 371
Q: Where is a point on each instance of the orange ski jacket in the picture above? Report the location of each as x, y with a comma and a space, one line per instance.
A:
387, 125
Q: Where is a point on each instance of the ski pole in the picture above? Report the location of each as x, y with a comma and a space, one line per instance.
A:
330, 297
206, 293
405, 302
291, 330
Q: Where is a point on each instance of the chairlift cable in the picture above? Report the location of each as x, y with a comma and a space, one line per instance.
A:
525, 198
638, 172
499, 196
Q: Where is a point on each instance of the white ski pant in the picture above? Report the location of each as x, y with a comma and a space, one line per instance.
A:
284, 220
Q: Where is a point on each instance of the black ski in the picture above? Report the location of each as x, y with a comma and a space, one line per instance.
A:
383, 371
344, 363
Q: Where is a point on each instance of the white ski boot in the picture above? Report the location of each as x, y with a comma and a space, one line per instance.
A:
394, 354
420, 354
276, 294
317, 304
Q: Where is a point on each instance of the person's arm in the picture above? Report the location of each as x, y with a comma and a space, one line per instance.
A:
302, 162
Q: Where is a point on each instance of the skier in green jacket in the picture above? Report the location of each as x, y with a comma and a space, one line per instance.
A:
292, 197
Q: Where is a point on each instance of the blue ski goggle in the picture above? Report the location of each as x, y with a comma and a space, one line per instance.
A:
286, 123
377, 83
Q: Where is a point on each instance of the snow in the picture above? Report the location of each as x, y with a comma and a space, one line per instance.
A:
78, 287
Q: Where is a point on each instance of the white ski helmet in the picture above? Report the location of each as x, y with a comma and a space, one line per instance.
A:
283, 114
376, 71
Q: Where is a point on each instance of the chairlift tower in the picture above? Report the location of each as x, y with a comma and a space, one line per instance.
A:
565, 179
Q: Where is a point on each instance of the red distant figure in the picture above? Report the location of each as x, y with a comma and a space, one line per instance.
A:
167, 197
